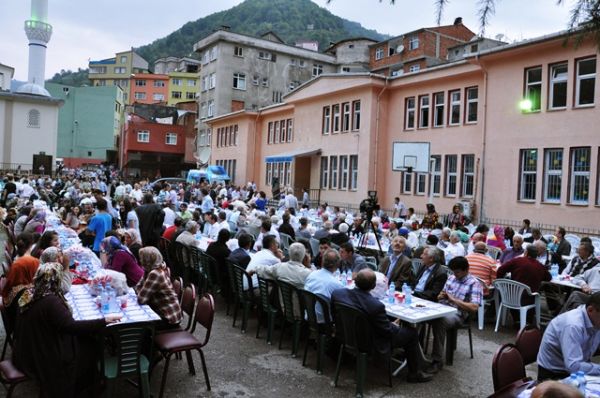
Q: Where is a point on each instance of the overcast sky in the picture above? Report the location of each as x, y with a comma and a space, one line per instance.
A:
97, 29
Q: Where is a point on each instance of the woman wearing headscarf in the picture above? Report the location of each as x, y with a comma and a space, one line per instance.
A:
48, 239
498, 239
156, 290
133, 241
36, 223
49, 345
53, 255
119, 258
19, 277
431, 218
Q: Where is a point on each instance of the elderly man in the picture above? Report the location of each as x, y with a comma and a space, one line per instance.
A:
526, 270
357, 228
570, 341
515, 251
444, 239
462, 291
294, 271
477, 237
325, 231
323, 281
342, 236
543, 257
582, 262
397, 267
454, 247
384, 331
351, 262
482, 266
188, 236
431, 277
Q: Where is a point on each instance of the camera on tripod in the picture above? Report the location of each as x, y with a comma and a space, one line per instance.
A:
368, 205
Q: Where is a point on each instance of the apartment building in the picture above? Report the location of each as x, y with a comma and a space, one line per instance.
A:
116, 71
149, 88
183, 76
510, 130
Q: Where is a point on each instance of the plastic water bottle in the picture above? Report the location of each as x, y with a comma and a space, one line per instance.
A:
407, 295
112, 298
349, 278
554, 271
104, 300
337, 274
391, 293
573, 381
343, 277
582, 382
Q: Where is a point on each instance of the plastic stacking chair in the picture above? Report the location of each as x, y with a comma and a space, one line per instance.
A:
10, 377
128, 362
574, 240
507, 366
266, 287
528, 343
233, 296
416, 266
205, 269
371, 262
322, 330
289, 295
486, 301
494, 252
510, 293
183, 341
245, 297
182, 263
354, 328
314, 246
286, 241
178, 287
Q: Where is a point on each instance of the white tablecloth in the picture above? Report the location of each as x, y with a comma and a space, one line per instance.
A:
416, 314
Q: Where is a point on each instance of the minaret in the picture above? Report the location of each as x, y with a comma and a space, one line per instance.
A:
38, 32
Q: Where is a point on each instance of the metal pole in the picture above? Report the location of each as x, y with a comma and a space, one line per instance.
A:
432, 164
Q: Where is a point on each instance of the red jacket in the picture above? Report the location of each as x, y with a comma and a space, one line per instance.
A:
525, 270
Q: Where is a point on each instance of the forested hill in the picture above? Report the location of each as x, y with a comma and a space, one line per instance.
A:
291, 20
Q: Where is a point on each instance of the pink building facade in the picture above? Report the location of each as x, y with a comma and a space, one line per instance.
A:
504, 158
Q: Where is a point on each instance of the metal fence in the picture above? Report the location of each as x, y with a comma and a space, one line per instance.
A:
544, 228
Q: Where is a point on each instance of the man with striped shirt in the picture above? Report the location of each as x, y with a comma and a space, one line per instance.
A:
482, 266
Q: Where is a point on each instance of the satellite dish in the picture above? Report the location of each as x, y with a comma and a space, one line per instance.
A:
203, 155
400, 49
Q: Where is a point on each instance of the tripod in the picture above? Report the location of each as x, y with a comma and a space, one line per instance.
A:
362, 244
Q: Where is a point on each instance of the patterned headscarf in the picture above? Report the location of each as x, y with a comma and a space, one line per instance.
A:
150, 258
48, 280
499, 232
20, 276
134, 235
50, 255
111, 245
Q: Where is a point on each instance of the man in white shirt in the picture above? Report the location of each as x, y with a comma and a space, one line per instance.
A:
294, 271
136, 193
291, 202
266, 229
221, 223
454, 248
26, 190
267, 257
170, 215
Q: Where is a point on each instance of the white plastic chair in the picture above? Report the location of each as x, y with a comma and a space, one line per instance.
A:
314, 245
484, 302
574, 241
416, 265
494, 252
510, 293
286, 240
596, 243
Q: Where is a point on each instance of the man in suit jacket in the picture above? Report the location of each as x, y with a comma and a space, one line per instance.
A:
397, 267
241, 255
386, 334
150, 216
431, 278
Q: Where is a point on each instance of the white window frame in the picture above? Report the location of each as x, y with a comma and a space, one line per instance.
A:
177, 82
467, 176
143, 136
579, 173
436, 175
176, 94
213, 80
120, 70
171, 139
238, 51
413, 42
407, 182
276, 130
439, 109
550, 155
530, 85
454, 102
343, 183
270, 131
524, 173
470, 103
580, 78
191, 82
353, 181
346, 117
239, 81
317, 70
556, 80
282, 131
326, 120
336, 118
158, 97
123, 59
210, 108
333, 174
324, 172
424, 108
451, 174
140, 83
410, 110
290, 130
139, 95
420, 184
356, 115
158, 83
379, 53
414, 68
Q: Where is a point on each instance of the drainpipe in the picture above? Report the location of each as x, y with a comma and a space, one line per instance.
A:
377, 132
481, 211
254, 150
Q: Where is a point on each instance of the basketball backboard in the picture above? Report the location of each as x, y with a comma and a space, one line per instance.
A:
411, 156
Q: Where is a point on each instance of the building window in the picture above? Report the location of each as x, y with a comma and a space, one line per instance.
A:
413, 42
205, 80
203, 112
317, 70
213, 81
324, 172
120, 70
255, 80
301, 63
157, 83
336, 118
410, 113
379, 53
345, 116
176, 94
123, 59
451, 166
177, 82
171, 139
290, 130
558, 86
211, 108
98, 69
265, 55
414, 68
276, 136
468, 176
213, 53
238, 51
269, 173
454, 110
533, 88
356, 116
158, 97
343, 172
528, 175
423, 111
282, 131
139, 95
140, 83
264, 82
407, 182
437, 174
553, 162
333, 165
421, 184
580, 175
353, 172
326, 119
190, 95
472, 95
191, 82
239, 81
438, 113
277, 97
33, 118
586, 81
345, 69
270, 132
143, 136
